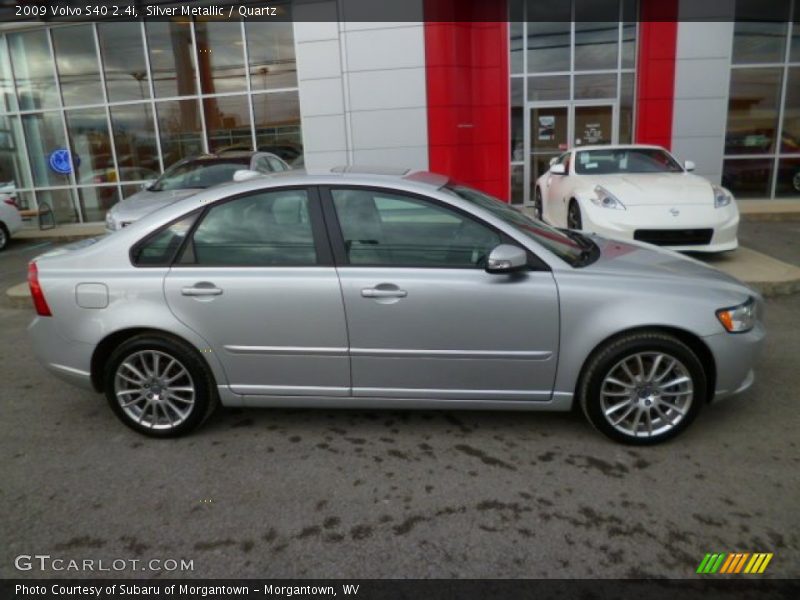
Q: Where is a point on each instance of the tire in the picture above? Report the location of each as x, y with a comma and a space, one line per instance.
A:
4, 236
538, 212
128, 378
574, 220
671, 408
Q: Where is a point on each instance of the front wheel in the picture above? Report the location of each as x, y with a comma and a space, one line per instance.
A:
574, 220
643, 388
4, 236
159, 386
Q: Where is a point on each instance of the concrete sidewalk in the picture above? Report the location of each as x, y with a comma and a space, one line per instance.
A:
63, 233
769, 210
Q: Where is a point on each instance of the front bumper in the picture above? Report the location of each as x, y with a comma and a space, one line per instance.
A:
67, 359
621, 224
735, 357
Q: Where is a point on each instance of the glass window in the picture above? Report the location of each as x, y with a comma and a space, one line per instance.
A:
387, 229
759, 33
13, 164
270, 48
277, 124
33, 70
61, 202
788, 183
748, 178
275, 164
76, 62
200, 173
91, 145
268, 229
625, 160
517, 184
135, 142
47, 149
160, 249
8, 99
220, 57
172, 60
626, 125
753, 111
549, 44
596, 86
517, 47
179, 129
95, 201
517, 119
123, 61
790, 138
596, 34
551, 87
629, 16
227, 123
795, 50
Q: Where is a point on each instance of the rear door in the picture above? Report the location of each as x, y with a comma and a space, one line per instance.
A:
256, 280
425, 319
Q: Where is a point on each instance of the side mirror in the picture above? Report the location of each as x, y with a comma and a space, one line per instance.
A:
553, 160
148, 183
558, 170
688, 165
245, 175
506, 258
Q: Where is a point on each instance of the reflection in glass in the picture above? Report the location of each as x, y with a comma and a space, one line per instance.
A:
551, 87
270, 48
626, 108
95, 201
227, 123
517, 120
123, 61
135, 142
795, 50
277, 124
790, 138
759, 33
517, 184
179, 129
596, 86
13, 164
548, 46
44, 134
77, 66
629, 16
788, 184
220, 57
8, 99
172, 61
516, 46
33, 70
748, 178
596, 34
91, 145
753, 111
61, 202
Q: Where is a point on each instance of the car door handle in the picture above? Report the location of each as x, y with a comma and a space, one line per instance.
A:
204, 288
383, 293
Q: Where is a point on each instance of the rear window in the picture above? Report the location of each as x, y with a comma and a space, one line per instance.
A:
159, 249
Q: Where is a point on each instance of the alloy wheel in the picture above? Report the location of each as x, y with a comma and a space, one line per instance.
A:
154, 389
3, 237
646, 394
574, 217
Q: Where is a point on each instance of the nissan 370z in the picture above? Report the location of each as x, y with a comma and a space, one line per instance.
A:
397, 290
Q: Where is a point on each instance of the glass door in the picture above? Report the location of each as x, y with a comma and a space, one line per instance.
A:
548, 137
594, 124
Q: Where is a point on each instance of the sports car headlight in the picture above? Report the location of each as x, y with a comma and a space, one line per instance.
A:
602, 197
738, 319
110, 223
722, 197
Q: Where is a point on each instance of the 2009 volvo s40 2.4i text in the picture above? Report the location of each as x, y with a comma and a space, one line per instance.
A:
387, 290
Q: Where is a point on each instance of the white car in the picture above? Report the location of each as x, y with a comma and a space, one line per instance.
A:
10, 219
637, 192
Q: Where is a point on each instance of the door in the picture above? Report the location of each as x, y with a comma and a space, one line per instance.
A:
425, 320
256, 280
593, 124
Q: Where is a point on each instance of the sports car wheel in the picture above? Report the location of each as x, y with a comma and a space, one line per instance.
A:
537, 204
574, 220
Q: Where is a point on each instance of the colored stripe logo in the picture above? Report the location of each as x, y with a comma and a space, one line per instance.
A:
734, 562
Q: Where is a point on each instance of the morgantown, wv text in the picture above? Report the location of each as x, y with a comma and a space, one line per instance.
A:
188, 590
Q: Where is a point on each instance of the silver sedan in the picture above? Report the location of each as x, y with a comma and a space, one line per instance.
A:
387, 290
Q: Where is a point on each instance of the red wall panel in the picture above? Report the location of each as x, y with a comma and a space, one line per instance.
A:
467, 89
655, 90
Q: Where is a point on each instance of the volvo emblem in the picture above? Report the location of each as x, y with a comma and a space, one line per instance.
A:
674, 212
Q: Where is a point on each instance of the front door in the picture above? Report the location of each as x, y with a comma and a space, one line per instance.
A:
425, 320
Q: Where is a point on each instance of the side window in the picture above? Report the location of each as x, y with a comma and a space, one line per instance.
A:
262, 166
159, 249
261, 230
275, 164
387, 229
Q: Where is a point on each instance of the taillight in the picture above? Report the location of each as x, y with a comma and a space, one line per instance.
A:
39, 303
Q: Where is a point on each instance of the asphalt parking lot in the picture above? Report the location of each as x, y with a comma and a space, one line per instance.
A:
310, 493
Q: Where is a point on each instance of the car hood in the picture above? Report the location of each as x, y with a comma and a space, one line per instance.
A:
651, 189
145, 202
644, 261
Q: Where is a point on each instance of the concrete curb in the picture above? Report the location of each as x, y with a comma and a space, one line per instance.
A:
19, 296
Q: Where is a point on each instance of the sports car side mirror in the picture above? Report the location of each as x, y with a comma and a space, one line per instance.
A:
558, 170
688, 165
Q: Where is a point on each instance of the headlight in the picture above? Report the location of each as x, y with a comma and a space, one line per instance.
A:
722, 197
606, 199
738, 319
110, 224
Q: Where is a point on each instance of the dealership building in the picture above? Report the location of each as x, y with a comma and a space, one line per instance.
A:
485, 94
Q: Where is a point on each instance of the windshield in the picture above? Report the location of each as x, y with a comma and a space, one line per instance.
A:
575, 248
199, 174
608, 161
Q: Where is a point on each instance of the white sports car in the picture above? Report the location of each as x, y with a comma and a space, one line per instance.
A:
637, 192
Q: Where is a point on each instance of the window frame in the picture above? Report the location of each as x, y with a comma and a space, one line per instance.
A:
338, 247
322, 244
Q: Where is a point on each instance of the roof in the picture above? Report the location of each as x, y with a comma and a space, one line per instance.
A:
617, 147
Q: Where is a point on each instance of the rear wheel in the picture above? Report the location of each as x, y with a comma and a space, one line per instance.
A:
574, 220
643, 388
159, 386
4, 236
